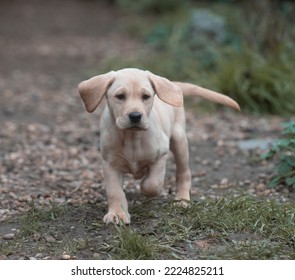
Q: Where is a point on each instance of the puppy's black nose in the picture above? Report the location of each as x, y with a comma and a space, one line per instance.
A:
135, 117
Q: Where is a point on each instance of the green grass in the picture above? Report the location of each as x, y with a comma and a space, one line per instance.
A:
233, 227
33, 221
265, 230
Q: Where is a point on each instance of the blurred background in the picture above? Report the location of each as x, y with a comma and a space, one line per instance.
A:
244, 49
49, 144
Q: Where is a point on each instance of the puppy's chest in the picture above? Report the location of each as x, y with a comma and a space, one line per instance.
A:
136, 154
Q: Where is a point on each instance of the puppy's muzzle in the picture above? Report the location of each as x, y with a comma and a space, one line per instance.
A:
135, 117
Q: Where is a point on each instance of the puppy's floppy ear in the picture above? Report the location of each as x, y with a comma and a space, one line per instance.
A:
93, 90
166, 90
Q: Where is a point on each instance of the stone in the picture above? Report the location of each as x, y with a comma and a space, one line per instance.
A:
8, 236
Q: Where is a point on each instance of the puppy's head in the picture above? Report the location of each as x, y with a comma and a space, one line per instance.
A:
130, 94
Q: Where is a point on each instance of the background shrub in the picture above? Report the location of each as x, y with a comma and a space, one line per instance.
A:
285, 149
152, 6
245, 49
258, 84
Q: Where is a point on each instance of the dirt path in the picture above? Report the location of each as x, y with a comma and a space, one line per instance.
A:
49, 144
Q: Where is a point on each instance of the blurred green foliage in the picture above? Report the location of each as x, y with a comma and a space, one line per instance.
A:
244, 49
258, 83
285, 149
151, 6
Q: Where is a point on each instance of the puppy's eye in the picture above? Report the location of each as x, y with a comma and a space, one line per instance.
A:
121, 96
146, 97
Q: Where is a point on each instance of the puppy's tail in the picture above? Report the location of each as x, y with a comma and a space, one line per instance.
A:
193, 90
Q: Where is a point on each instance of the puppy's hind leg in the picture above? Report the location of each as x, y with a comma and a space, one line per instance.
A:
179, 148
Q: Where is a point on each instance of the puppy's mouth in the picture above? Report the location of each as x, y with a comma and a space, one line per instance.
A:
126, 124
136, 128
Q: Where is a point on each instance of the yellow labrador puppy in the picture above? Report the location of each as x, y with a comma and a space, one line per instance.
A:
143, 118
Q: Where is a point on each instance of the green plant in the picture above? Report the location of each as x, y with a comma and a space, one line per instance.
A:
285, 148
266, 33
153, 6
258, 84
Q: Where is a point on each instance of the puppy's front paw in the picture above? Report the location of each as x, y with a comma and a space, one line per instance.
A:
117, 217
181, 202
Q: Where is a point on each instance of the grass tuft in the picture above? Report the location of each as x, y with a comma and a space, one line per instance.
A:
34, 219
131, 245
